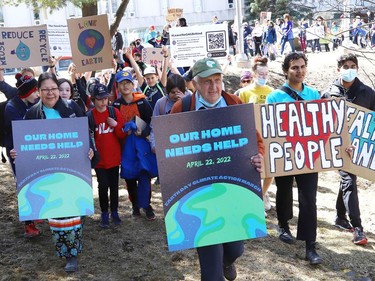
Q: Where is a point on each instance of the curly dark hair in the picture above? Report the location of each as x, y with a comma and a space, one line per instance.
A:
347, 57
291, 57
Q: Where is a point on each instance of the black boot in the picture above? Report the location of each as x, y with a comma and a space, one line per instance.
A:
311, 254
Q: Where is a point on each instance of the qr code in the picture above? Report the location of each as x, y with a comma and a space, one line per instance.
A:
216, 41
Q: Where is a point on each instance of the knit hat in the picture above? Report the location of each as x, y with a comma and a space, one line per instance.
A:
26, 85
206, 67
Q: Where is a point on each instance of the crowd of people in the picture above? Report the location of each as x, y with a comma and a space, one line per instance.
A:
114, 101
270, 38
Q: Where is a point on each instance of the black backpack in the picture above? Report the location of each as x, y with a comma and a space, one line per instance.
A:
112, 114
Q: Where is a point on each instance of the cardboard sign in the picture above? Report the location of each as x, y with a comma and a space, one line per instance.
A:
59, 39
304, 137
53, 169
90, 43
196, 42
362, 136
174, 14
211, 192
24, 46
152, 56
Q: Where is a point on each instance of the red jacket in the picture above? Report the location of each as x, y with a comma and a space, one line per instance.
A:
107, 139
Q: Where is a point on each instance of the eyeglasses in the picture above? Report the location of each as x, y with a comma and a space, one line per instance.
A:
245, 81
52, 90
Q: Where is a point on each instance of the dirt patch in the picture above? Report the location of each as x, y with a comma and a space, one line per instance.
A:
137, 249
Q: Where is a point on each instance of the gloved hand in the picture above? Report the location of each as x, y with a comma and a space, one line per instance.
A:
130, 126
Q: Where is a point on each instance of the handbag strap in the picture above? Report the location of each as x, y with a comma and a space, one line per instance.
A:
291, 93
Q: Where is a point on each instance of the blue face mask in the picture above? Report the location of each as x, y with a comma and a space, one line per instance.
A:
348, 75
261, 81
207, 104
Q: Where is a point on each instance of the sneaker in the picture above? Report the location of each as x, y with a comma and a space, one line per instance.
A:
343, 224
286, 236
136, 212
104, 223
230, 272
115, 218
150, 215
267, 202
71, 264
359, 238
31, 230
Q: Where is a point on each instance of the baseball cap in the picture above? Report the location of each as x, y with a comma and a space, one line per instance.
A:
149, 70
100, 91
124, 75
206, 67
188, 76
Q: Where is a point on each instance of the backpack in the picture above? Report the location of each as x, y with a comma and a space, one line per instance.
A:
112, 114
186, 103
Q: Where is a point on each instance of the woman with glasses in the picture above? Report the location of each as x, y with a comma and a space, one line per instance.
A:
66, 232
245, 80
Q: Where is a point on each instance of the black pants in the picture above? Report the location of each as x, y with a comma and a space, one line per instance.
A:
347, 199
307, 219
108, 178
213, 257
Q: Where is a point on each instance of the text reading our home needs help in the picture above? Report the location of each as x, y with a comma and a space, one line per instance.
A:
209, 135
35, 142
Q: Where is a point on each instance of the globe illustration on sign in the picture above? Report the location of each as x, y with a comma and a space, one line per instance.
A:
55, 195
90, 42
209, 215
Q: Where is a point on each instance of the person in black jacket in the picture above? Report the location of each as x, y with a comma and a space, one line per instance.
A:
353, 90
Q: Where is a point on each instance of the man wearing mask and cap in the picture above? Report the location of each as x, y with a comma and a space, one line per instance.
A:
216, 261
353, 90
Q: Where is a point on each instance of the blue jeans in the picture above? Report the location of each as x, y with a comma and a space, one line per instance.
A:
283, 42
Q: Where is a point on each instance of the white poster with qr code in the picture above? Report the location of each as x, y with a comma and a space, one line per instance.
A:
189, 44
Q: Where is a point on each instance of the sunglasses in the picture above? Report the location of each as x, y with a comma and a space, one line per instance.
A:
245, 81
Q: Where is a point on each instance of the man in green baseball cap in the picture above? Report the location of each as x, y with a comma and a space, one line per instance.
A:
206, 67
216, 261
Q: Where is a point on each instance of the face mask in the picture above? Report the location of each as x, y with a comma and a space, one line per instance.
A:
261, 81
206, 103
348, 75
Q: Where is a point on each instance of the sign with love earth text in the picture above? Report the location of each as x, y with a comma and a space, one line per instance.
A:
53, 169
211, 192
90, 43
24, 46
304, 137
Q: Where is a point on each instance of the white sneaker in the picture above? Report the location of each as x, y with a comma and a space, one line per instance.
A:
267, 202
